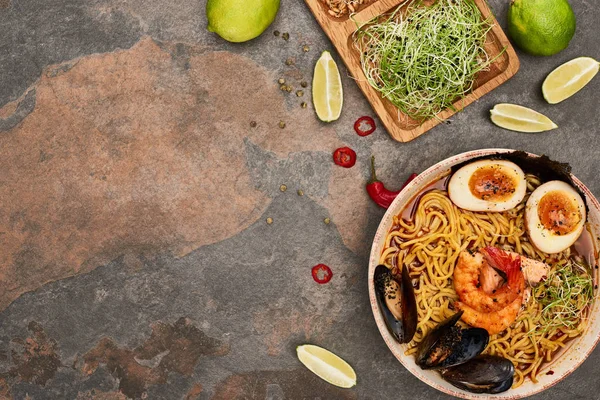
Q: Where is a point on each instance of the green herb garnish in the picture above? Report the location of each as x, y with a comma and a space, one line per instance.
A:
565, 296
426, 58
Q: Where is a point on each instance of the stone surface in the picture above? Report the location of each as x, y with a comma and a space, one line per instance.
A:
135, 260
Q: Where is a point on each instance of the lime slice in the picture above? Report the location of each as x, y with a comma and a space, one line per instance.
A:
520, 119
569, 79
327, 92
327, 365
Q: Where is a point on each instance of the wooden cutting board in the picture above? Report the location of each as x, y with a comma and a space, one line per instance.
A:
401, 127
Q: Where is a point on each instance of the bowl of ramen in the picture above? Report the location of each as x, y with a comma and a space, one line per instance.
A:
483, 274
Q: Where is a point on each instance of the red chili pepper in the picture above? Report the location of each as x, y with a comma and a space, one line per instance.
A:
344, 157
364, 126
321, 273
377, 191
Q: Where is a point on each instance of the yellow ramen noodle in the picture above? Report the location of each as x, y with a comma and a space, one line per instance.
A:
429, 246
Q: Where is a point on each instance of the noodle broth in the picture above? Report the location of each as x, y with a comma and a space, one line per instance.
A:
428, 234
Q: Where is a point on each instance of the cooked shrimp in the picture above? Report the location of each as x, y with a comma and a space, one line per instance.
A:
493, 322
467, 284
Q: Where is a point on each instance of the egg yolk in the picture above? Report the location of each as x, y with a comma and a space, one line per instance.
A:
558, 212
492, 183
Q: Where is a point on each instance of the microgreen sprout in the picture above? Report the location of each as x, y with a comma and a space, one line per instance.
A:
425, 58
565, 296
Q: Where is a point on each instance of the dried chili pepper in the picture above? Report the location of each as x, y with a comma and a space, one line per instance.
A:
377, 191
344, 157
321, 273
364, 126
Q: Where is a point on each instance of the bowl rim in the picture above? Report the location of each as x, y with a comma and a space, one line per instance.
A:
420, 181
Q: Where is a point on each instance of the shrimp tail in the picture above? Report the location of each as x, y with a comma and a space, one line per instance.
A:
505, 262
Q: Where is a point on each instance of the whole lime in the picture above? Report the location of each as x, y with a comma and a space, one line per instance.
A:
240, 20
541, 27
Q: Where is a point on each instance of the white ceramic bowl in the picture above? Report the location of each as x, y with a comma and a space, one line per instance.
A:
579, 348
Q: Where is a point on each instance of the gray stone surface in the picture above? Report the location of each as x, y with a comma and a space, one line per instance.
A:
249, 292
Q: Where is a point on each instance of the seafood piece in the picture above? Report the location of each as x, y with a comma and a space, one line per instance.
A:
482, 374
490, 279
397, 303
526, 296
493, 322
467, 279
448, 345
534, 271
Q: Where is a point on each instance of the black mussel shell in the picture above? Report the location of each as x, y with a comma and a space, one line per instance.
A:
397, 303
389, 300
433, 337
448, 345
482, 374
501, 387
490, 389
410, 316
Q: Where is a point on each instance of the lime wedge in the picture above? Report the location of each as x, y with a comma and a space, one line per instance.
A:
520, 119
569, 79
327, 92
327, 365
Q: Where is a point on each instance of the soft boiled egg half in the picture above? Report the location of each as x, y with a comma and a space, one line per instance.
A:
555, 216
488, 185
